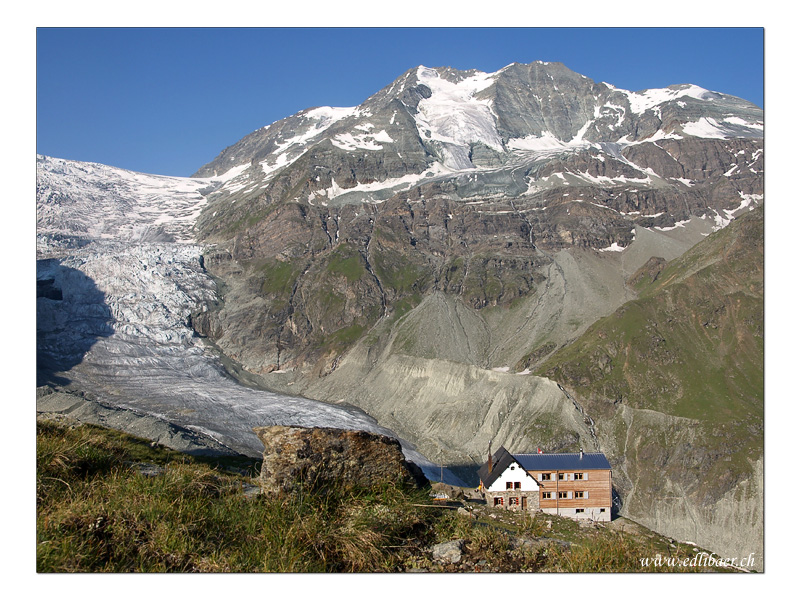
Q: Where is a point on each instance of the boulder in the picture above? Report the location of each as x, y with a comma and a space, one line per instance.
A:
320, 457
448, 551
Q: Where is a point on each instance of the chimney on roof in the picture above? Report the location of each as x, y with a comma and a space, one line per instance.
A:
490, 457
581, 453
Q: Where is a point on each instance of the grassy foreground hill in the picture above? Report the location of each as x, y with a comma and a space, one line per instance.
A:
108, 502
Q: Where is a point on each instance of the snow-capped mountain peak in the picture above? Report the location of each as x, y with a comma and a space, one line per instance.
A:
441, 120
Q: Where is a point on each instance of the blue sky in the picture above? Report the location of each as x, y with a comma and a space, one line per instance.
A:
167, 101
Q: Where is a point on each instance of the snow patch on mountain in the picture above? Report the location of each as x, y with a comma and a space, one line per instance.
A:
611, 108
319, 119
231, 173
313, 125
645, 100
366, 141
675, 226
739, 121
657, 136
546, 145
723, 218
315, 122
615, 247
279, 162
708, 127
454, 116
376, 191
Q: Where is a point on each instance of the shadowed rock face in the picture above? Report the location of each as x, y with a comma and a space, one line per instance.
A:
317, 457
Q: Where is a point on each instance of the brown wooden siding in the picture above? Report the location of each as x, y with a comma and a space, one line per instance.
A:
597, 483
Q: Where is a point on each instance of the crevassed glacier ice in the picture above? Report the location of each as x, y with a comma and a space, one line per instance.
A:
114, 316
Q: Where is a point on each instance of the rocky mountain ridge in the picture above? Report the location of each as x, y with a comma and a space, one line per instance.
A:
461, 182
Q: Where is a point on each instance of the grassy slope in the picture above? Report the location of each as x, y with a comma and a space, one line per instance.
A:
97, 512
691, 346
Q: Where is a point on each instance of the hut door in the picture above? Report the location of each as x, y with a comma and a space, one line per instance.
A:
524, 503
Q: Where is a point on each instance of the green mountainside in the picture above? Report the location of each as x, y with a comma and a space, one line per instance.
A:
691, 345
674, 383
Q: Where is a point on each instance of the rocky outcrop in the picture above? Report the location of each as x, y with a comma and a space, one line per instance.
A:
448, 552
318, 457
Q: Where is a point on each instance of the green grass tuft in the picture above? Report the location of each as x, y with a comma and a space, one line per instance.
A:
346, 261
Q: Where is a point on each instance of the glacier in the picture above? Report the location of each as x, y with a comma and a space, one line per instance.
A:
123, 276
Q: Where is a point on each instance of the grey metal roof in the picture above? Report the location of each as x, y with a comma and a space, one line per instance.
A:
563, 462
541, 462
500, 462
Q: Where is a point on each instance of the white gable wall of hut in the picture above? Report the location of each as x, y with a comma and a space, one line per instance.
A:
514, 474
